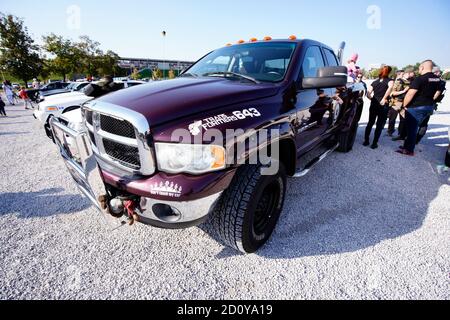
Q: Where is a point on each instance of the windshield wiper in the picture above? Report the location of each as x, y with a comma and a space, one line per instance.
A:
230, 74
188, 74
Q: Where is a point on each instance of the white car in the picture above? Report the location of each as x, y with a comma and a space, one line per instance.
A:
53, 106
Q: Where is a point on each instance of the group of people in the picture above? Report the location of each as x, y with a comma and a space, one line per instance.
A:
412, 98
12, 97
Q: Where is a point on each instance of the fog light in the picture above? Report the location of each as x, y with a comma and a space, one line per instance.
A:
166, 213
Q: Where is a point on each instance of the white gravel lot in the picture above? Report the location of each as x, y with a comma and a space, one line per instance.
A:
364, 225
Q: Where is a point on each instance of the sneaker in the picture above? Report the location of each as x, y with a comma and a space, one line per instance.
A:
405, 152
374, 146
398, 138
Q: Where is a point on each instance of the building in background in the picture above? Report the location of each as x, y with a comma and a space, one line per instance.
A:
146, 66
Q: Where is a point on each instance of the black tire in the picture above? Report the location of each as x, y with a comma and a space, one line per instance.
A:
347, 139
248, 211
447, 158
48, 130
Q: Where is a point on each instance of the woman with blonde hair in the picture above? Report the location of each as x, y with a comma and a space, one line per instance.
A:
378, 92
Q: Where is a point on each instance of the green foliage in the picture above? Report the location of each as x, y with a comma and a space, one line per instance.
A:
136, 75
19, 55
82, 57
66, 54
374, 73
446, 76
157, 74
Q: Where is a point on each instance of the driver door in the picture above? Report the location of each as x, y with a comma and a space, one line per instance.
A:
313, 106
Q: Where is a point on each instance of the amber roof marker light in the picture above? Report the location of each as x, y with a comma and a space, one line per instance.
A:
241, 42
292, 37
253, 39
267, 38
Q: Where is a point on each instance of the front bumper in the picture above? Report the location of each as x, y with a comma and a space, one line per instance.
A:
80, 160
42, 116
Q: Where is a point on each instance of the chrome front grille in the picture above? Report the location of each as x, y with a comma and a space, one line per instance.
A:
119, 137
116, 126
128, 156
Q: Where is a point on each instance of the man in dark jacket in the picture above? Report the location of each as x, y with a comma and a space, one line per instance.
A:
419, 104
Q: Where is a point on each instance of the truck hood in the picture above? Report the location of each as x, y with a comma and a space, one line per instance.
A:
168, 100
62, 97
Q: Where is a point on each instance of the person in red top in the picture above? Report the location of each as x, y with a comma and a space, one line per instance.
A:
24, 95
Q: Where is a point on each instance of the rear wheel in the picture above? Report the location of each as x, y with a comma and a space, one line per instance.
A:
347, 139
248, 211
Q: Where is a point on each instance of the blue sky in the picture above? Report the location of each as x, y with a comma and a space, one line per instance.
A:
410, 31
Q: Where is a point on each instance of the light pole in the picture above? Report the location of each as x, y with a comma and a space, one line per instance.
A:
164, 34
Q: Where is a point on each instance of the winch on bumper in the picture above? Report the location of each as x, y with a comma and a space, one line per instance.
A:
160, 200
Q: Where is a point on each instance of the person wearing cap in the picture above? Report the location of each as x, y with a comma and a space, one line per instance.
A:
398, 94
419, 104
407, 79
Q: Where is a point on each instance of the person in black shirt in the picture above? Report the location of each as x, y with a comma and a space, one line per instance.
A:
419, 104
378, 93
424, 126
2, 107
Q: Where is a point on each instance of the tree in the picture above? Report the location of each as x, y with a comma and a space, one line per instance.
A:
393, 73
157, 74
374, 73
66, 55
135, 75
19, 55
106, 64
90, 53
415, 67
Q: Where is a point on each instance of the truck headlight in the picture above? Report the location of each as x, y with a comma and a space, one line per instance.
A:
189, 158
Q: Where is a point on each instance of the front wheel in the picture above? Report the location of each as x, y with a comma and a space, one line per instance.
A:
248, 211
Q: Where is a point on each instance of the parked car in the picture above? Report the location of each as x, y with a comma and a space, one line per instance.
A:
72, 87
47, 90
54, 105
122, 153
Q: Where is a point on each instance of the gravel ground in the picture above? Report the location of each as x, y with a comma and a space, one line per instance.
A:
364, 225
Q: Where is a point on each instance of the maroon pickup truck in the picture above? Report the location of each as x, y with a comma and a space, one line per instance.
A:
217, 144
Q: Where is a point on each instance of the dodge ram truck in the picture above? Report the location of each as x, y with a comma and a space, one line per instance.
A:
217, 144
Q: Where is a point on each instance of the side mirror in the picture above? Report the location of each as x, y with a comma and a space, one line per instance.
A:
327, 77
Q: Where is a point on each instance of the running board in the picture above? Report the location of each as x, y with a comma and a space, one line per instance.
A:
315, 161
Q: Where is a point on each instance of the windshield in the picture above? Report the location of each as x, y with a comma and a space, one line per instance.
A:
262, 61
79, 86
71, 86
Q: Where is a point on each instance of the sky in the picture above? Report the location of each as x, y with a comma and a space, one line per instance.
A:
396, 32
